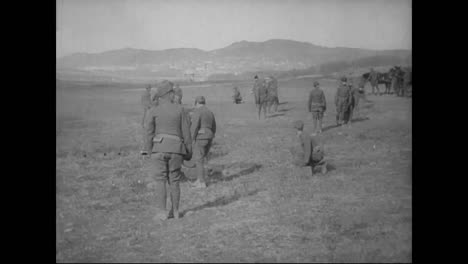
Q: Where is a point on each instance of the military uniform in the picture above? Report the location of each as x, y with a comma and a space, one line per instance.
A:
169, 142
355, 95
177, 94
342, 100
237, 96
310, 153
272, 88
203, 130
261, 97
317, 104
374, 81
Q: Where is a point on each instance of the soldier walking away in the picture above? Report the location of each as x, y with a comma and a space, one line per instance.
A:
168, 143
146, 102
272, 87
342, 98
203, 130
317, 104
353, 103
374, 81
237, 98
308, 152
261, 96
177, 94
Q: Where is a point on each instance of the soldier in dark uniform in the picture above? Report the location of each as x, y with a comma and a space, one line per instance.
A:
146, 103
177, 94
374, 80
272, 87
342, 98
237, 98
308, 151
317, 105
168, 143
353, 103
203, 130
261, 97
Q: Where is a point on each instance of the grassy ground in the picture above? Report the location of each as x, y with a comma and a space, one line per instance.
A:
265, 210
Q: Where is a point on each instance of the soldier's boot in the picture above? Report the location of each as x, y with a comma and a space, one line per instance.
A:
160, 193
175, 199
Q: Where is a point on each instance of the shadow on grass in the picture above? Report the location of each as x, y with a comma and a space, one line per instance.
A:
285, 110
221, 201
359, 119
275, 115
237, 170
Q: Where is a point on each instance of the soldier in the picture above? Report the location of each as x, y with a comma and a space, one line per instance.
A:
177, 94
355, 95
374, 80
272, 87
203, 130
342, 98
237, 96
261, 97
309, 152
317, 105
168, 143
145, 103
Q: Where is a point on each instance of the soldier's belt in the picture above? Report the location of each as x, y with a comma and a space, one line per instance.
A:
159, 137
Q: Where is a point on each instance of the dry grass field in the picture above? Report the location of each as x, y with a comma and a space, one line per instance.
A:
266, 210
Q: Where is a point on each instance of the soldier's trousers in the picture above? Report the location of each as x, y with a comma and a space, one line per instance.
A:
166, 167
201, 149
317, 117
341, 108
273, 101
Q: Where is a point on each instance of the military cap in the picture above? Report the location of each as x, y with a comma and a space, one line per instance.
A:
164, 88
200, 99
316, 84
299, 125
256, 77
344, 79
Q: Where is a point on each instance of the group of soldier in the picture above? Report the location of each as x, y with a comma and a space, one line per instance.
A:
171, 136
174, 134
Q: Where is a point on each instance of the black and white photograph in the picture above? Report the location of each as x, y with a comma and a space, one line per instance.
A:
220, 131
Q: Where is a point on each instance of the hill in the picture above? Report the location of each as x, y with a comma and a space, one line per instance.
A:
239, 57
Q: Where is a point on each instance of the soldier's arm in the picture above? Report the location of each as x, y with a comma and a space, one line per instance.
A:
324, 101
309, 102
195, 126
307, 149
214, 126
186, 128
150, 127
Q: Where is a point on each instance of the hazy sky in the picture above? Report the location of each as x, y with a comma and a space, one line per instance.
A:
100, 25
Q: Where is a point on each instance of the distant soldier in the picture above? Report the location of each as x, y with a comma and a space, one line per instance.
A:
146, 103
317, 104
374, 80
203, 130
177, 94
308, 152
353, 102
168, 143
237, 98
261, 96
342, 98
272, 87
